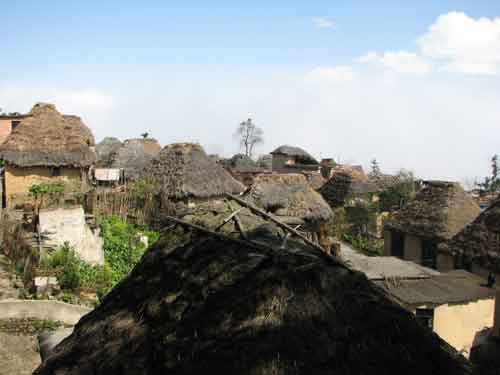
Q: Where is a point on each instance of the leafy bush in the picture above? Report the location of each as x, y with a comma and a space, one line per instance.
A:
73, 273
121, 250
54, 191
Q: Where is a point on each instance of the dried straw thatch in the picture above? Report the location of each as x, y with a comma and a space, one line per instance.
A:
240, 163
135, 155
440, 210
47, 138
218, 307
106, 151
345, 183
183, 170
301, 156
479, 242
289, 195
315, 179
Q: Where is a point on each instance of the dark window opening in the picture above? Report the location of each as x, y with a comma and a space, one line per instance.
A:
56, 172
397, 244
429, 253
14, 124
425, 317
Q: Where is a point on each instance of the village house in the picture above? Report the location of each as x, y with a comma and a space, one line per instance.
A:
439, 211
346, 185
476, 247
243, 168
456, 305
291, 199
183, 173
45, 147
290, 159
134, 156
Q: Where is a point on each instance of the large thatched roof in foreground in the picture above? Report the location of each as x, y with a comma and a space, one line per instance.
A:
46, 138
134, 155
440, 210
289, 195
183, 170
480, 240
218, 307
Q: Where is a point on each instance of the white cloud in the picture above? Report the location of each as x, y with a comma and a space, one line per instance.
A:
331, 74
70, 101
323, 23
399, 61
465, 44
93, 105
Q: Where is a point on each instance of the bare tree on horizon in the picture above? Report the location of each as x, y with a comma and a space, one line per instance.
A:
249, 136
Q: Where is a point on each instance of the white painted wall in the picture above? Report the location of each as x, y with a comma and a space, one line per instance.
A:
68, 225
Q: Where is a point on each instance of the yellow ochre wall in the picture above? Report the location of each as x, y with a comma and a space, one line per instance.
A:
19, 180
458, 324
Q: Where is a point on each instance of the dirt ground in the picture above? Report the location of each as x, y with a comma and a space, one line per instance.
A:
18, 354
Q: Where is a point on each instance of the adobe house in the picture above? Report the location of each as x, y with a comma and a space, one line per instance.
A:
134, 155
242, 168
291, 199
45, 147
183, 173
439, 211
456, 305
9, 122
476, 247
289, 159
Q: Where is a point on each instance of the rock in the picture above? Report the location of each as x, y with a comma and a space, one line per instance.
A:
47, 341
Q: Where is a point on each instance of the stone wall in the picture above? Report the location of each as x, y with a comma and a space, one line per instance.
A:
42, 309
68, 225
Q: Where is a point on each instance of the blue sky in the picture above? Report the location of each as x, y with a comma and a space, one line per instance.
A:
348, 79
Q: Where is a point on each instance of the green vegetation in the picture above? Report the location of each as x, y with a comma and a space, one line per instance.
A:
53, 191
73, 273
122, 251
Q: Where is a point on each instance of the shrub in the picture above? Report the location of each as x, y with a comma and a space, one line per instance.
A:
121, 252
73, 273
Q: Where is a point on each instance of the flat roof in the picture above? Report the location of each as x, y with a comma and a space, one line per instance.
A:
448, 288
414, 285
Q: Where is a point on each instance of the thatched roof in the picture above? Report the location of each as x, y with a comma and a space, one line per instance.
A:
183, 170
344, 184
265, 162
135, 155
479, 241
46, 138
315, 179
219, 307
242, 164
106, 151
440, 210
289, 195
301, 155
